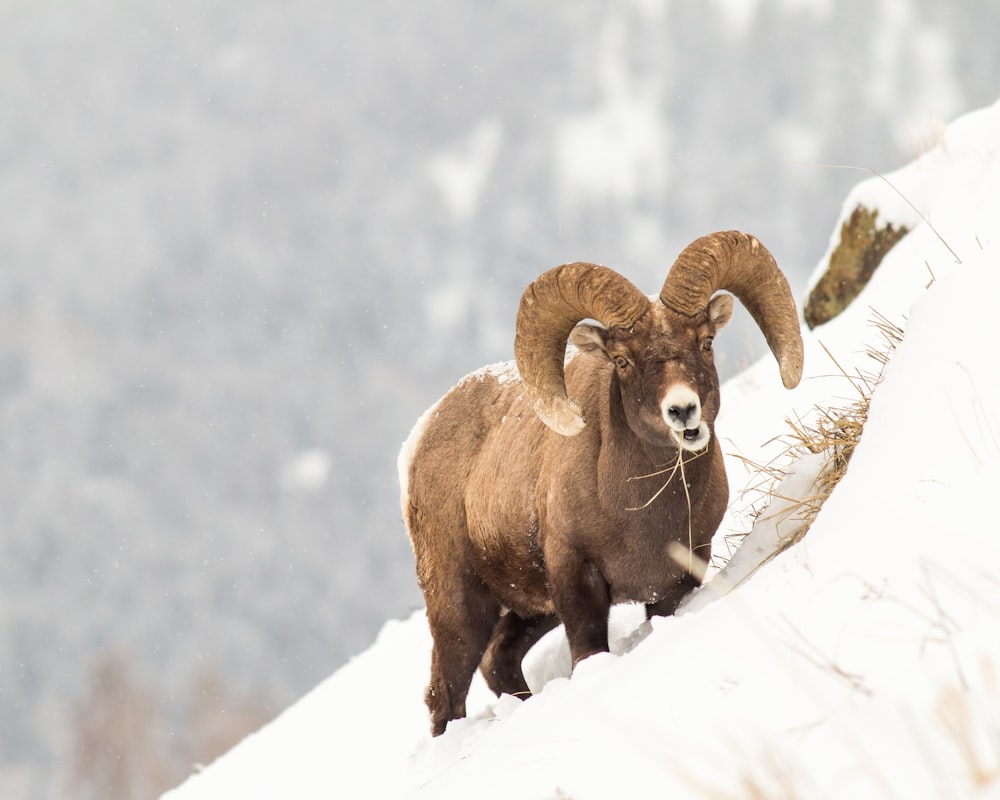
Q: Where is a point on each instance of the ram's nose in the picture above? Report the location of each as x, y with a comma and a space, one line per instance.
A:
681, 408
680, 416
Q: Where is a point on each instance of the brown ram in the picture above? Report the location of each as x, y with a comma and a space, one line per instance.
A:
527, 508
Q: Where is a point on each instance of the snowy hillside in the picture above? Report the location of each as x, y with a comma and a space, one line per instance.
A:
861, 662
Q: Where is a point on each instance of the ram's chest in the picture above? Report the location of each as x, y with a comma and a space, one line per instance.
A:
640, 560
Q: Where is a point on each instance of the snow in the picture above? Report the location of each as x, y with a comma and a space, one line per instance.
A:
860, 662
951, 186
501, 372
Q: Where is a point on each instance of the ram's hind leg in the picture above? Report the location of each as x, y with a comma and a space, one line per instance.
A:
513, 637
461, 624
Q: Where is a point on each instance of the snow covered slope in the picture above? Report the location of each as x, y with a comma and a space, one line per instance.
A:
862, 662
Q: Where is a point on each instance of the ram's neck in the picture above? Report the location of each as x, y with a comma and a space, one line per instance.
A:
630, 469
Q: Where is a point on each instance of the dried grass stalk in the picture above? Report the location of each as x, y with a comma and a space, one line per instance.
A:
833, 431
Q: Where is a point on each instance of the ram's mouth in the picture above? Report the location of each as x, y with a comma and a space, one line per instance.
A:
693, 439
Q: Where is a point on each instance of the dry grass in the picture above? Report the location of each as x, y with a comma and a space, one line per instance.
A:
832, 433
977, 743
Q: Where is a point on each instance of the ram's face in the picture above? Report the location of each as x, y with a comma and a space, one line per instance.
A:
665, 370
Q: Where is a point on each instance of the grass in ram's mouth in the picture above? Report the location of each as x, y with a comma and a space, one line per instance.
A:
685, 557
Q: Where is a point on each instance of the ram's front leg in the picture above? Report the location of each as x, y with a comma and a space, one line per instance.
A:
582, 600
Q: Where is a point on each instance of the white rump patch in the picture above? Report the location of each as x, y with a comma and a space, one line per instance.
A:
406, 452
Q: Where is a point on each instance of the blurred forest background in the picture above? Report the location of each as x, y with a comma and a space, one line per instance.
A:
243, 246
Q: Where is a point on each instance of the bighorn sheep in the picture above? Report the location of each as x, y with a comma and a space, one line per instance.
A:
527, 508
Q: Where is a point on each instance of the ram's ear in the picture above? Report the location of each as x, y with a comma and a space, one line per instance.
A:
591, 339
720, 311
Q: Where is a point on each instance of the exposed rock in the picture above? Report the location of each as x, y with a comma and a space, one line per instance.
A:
863, 245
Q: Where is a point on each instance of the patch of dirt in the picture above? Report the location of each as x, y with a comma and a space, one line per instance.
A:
863, 245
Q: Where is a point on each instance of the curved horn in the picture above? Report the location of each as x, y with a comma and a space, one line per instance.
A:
738, 263
550, 308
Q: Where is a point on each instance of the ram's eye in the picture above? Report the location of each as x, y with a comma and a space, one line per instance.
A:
706, 344
621, 362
